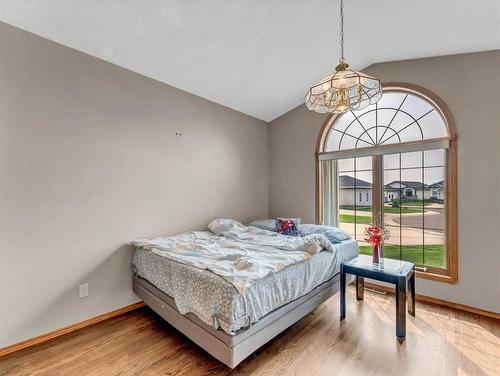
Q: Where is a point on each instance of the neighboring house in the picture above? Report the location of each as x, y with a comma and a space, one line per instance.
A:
410, 190
437, 194
354, 191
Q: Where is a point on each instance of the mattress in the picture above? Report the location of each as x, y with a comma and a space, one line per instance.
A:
216, 301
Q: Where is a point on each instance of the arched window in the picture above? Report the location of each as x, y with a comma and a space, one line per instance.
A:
395, 160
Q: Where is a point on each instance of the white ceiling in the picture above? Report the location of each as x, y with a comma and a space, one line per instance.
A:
257, 57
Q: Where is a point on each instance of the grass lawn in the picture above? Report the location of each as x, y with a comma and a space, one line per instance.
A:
348, 218
415, 202
387, 209
434, 254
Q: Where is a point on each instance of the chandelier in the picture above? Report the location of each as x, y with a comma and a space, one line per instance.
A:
345, 89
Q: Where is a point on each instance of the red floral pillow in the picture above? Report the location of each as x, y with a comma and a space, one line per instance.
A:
286, 226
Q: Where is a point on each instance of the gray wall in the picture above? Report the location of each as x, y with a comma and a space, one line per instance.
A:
469, 84
89, 160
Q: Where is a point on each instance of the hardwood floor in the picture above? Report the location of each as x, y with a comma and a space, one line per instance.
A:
440, 341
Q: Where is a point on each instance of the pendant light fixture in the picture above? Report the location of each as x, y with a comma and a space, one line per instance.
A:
345, 89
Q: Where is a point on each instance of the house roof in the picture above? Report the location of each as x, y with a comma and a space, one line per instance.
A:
407, 184
438, 184
346, 181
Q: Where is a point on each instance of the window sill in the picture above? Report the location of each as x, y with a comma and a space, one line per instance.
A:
437, 277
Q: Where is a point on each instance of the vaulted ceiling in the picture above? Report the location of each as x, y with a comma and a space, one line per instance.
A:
256, 56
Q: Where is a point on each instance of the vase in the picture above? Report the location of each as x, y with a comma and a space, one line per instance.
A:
376, 254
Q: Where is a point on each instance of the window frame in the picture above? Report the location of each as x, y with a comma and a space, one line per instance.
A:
450, 274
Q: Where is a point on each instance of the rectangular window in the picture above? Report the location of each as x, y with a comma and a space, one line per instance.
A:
413, 207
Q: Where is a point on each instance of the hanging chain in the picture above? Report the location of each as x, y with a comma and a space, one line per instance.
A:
341, 60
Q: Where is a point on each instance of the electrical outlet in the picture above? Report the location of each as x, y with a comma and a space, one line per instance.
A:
83, 290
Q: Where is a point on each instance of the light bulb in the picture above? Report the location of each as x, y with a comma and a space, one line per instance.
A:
342, 99
341, 81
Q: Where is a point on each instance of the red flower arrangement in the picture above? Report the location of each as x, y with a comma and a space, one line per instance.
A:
375, 235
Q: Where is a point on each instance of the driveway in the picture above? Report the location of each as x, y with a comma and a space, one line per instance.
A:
433, 219
410, 232
399, 235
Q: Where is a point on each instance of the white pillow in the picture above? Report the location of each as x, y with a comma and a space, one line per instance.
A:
220, 225
270, 224
264, 224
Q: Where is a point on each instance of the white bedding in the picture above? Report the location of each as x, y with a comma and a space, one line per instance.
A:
215, 300
241, 255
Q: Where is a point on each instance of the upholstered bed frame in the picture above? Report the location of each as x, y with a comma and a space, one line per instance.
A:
231, 350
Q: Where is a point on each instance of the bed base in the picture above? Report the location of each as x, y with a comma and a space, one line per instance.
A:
231, 350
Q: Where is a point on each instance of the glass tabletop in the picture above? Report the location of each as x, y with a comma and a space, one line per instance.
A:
398, 268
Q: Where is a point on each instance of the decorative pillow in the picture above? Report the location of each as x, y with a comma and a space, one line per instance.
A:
286, 226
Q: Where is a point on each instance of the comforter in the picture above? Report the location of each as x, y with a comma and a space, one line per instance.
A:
240, 254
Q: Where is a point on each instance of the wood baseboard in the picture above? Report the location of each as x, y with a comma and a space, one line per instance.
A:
436, 301
68, 329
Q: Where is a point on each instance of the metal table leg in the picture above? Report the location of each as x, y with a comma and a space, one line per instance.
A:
342, 293
411, 295
360, 288
401, 308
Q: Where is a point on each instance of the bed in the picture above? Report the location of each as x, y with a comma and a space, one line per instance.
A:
227, 320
